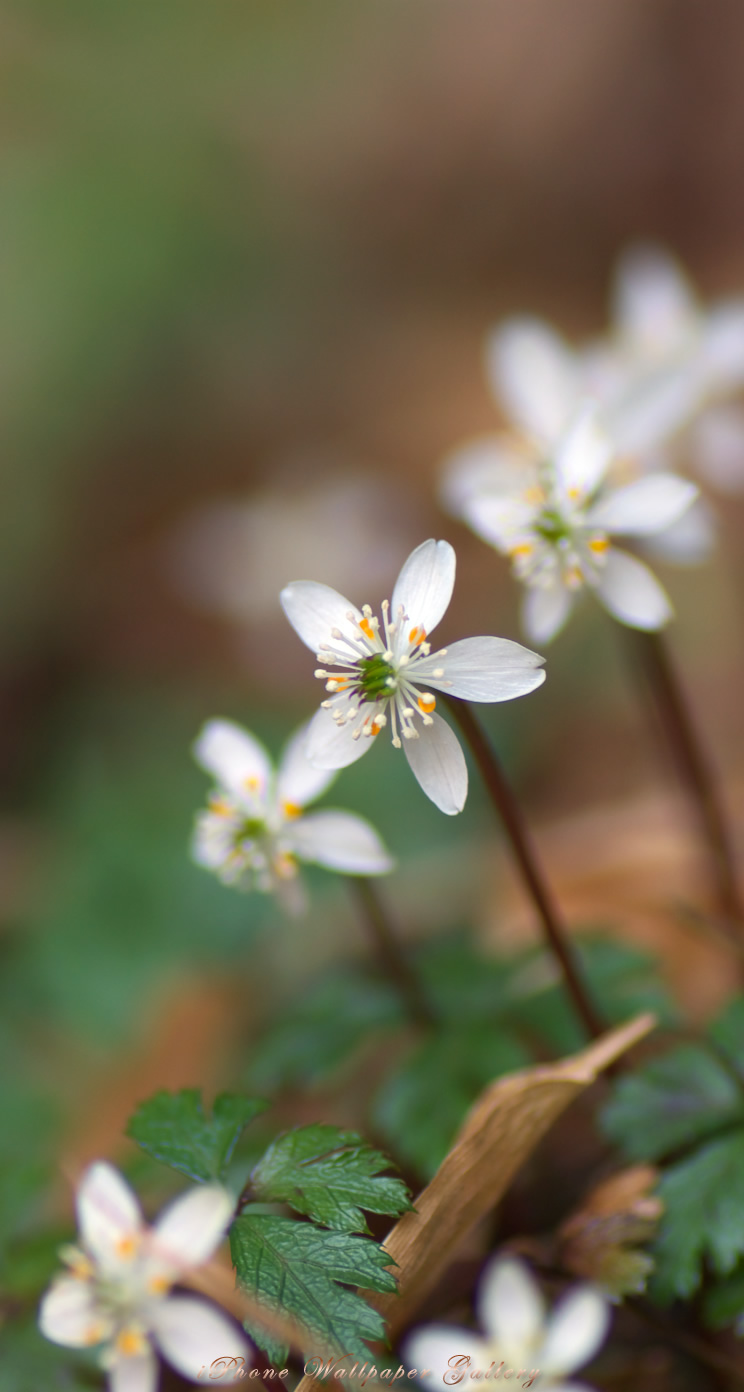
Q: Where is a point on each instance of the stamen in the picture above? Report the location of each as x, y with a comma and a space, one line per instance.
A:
426, 703
417, 635
292, 809
367, 629
599, 545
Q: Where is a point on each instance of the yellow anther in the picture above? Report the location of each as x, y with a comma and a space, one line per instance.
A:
285, 867
127, 1246
291, 809
252, 784
376, 726
535, 494
574, 494
525, 548
599, 545
95, 1334
367, 629
158, 1285
417, 635
220, 806
130, 1342
426, 704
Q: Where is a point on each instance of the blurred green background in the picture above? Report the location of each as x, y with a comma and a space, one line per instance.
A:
248, 254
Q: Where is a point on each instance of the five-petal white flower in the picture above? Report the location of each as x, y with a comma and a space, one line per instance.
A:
255, 828
116, 1288
375, 671
554, 516
518, 1335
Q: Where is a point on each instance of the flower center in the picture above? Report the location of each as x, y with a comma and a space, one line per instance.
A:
376, 677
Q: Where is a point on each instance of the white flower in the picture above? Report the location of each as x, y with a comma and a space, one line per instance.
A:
379, 671
545, 1351
255, 829
116, 1289
554, 518
666, 366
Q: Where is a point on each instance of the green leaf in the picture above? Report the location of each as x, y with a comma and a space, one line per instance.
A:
703, 1220
422, 1104
723, 1303
676, 1099
296, 1270
174, 1128
319, 1031
330, 1176
728, 1033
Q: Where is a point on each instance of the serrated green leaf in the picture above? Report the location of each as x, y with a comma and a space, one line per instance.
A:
330, 1176
723, 1303
295, 1269
276, 1351
703, 1219
682, 1097
422, 1104
174, 1128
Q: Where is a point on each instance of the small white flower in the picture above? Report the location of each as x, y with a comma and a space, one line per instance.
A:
116, 1289
518, 1334
554, 518
379, 671
255, 829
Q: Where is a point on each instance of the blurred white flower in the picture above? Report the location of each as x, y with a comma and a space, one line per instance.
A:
255, 829
116, 1288
518, 1335
554, 518
375, 672
667, 364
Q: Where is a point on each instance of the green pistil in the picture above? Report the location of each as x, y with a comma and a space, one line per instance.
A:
374, 677
552, 527
251, 829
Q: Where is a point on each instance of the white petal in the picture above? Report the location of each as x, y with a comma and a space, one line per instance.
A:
439, 765
314, 610
630, 592
723, 346
425, 584
193, 1335
576, 1330
235, 758
545, 609
108, 1213
654, 405
443, 1348
583, 455
331, 746
718, 447
645, 506
655, 306
213, 839
187, 1233
298, 781
483, 669
510, 1306
534, 375
689, 540
339, 841
489, 465
69, 1314
136, 1374
499, 518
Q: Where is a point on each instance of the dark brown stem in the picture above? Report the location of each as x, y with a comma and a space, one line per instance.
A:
390, 954
696, 772
508, 809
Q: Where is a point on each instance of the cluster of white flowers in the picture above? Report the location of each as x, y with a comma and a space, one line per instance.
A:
521, 1341
116, 1289
595, 434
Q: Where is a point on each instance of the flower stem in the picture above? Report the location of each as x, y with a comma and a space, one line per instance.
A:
389, 952
696, 772
510, 813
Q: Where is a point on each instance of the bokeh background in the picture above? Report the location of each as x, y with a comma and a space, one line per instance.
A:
248, 256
